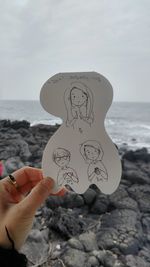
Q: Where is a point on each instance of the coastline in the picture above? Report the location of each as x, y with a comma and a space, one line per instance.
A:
126, 123
22, 144
91, 229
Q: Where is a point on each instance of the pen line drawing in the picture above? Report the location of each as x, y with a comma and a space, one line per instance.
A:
66, 175
79, 102
81, 152
92, 153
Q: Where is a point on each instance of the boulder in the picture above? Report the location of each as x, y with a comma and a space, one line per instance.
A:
73, 200
88, 241
89, 196
121, 229
36, 247
66, 223
135, 261
74, 258
75, 243
100, 205
141, 193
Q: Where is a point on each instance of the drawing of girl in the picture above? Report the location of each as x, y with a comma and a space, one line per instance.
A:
92, 153
79, 104
66, 175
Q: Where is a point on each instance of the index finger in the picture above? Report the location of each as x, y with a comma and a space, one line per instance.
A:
26, 175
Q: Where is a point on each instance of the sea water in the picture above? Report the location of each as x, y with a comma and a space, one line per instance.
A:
127, 123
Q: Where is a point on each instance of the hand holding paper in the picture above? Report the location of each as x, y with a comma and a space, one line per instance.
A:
80, 153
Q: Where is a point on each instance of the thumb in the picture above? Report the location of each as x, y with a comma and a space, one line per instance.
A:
37, 196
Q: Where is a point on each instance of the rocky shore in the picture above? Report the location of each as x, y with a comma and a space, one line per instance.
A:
93, 229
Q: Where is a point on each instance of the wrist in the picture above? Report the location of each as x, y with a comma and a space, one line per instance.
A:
6, 241
9, 256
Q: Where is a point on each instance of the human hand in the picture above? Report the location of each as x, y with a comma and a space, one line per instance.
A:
18, 205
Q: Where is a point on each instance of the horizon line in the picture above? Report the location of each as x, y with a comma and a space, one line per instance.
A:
115, 101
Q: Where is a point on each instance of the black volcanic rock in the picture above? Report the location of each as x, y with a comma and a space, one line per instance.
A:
14, 124
25, 143
138, 155
67, 223
92, 229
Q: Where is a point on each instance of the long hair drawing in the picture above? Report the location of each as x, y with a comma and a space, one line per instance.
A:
87, 107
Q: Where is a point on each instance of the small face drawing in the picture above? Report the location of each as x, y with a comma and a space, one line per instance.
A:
91, 152
78, 97
62, 161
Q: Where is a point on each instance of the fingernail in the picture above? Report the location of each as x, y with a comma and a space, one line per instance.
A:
50, 181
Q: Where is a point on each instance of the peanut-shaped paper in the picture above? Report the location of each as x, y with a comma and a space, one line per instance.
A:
80, 153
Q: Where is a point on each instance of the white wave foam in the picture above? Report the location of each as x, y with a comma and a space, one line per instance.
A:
145, 126
47, 122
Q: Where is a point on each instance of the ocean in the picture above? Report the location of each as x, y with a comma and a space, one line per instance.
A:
127, 123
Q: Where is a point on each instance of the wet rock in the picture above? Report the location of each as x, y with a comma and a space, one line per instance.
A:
36, 247
19, 124
44, 129
66, 223
75, 243
115, 200
119, 194
125, 203
137, 176
106, 258
74, 258
88, 241
14, 124
119, 223
135, 261
107, 238
100, 205
89, 196
53, 202
109, 259
92, 262
138, 155
123, 148
144, 253
146, 226
24, 153
141, 193
72, 200
12, 145
9, 145
121, 229
12, 164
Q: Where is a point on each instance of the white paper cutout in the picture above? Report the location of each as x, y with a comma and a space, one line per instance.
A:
80, 153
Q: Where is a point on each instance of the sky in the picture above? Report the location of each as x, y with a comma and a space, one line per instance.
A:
40, 38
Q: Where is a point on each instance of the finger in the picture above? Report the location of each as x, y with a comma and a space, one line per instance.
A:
25, 175
9, 194
25, 189
37, 196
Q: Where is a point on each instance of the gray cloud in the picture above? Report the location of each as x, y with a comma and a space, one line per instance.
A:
42, 37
